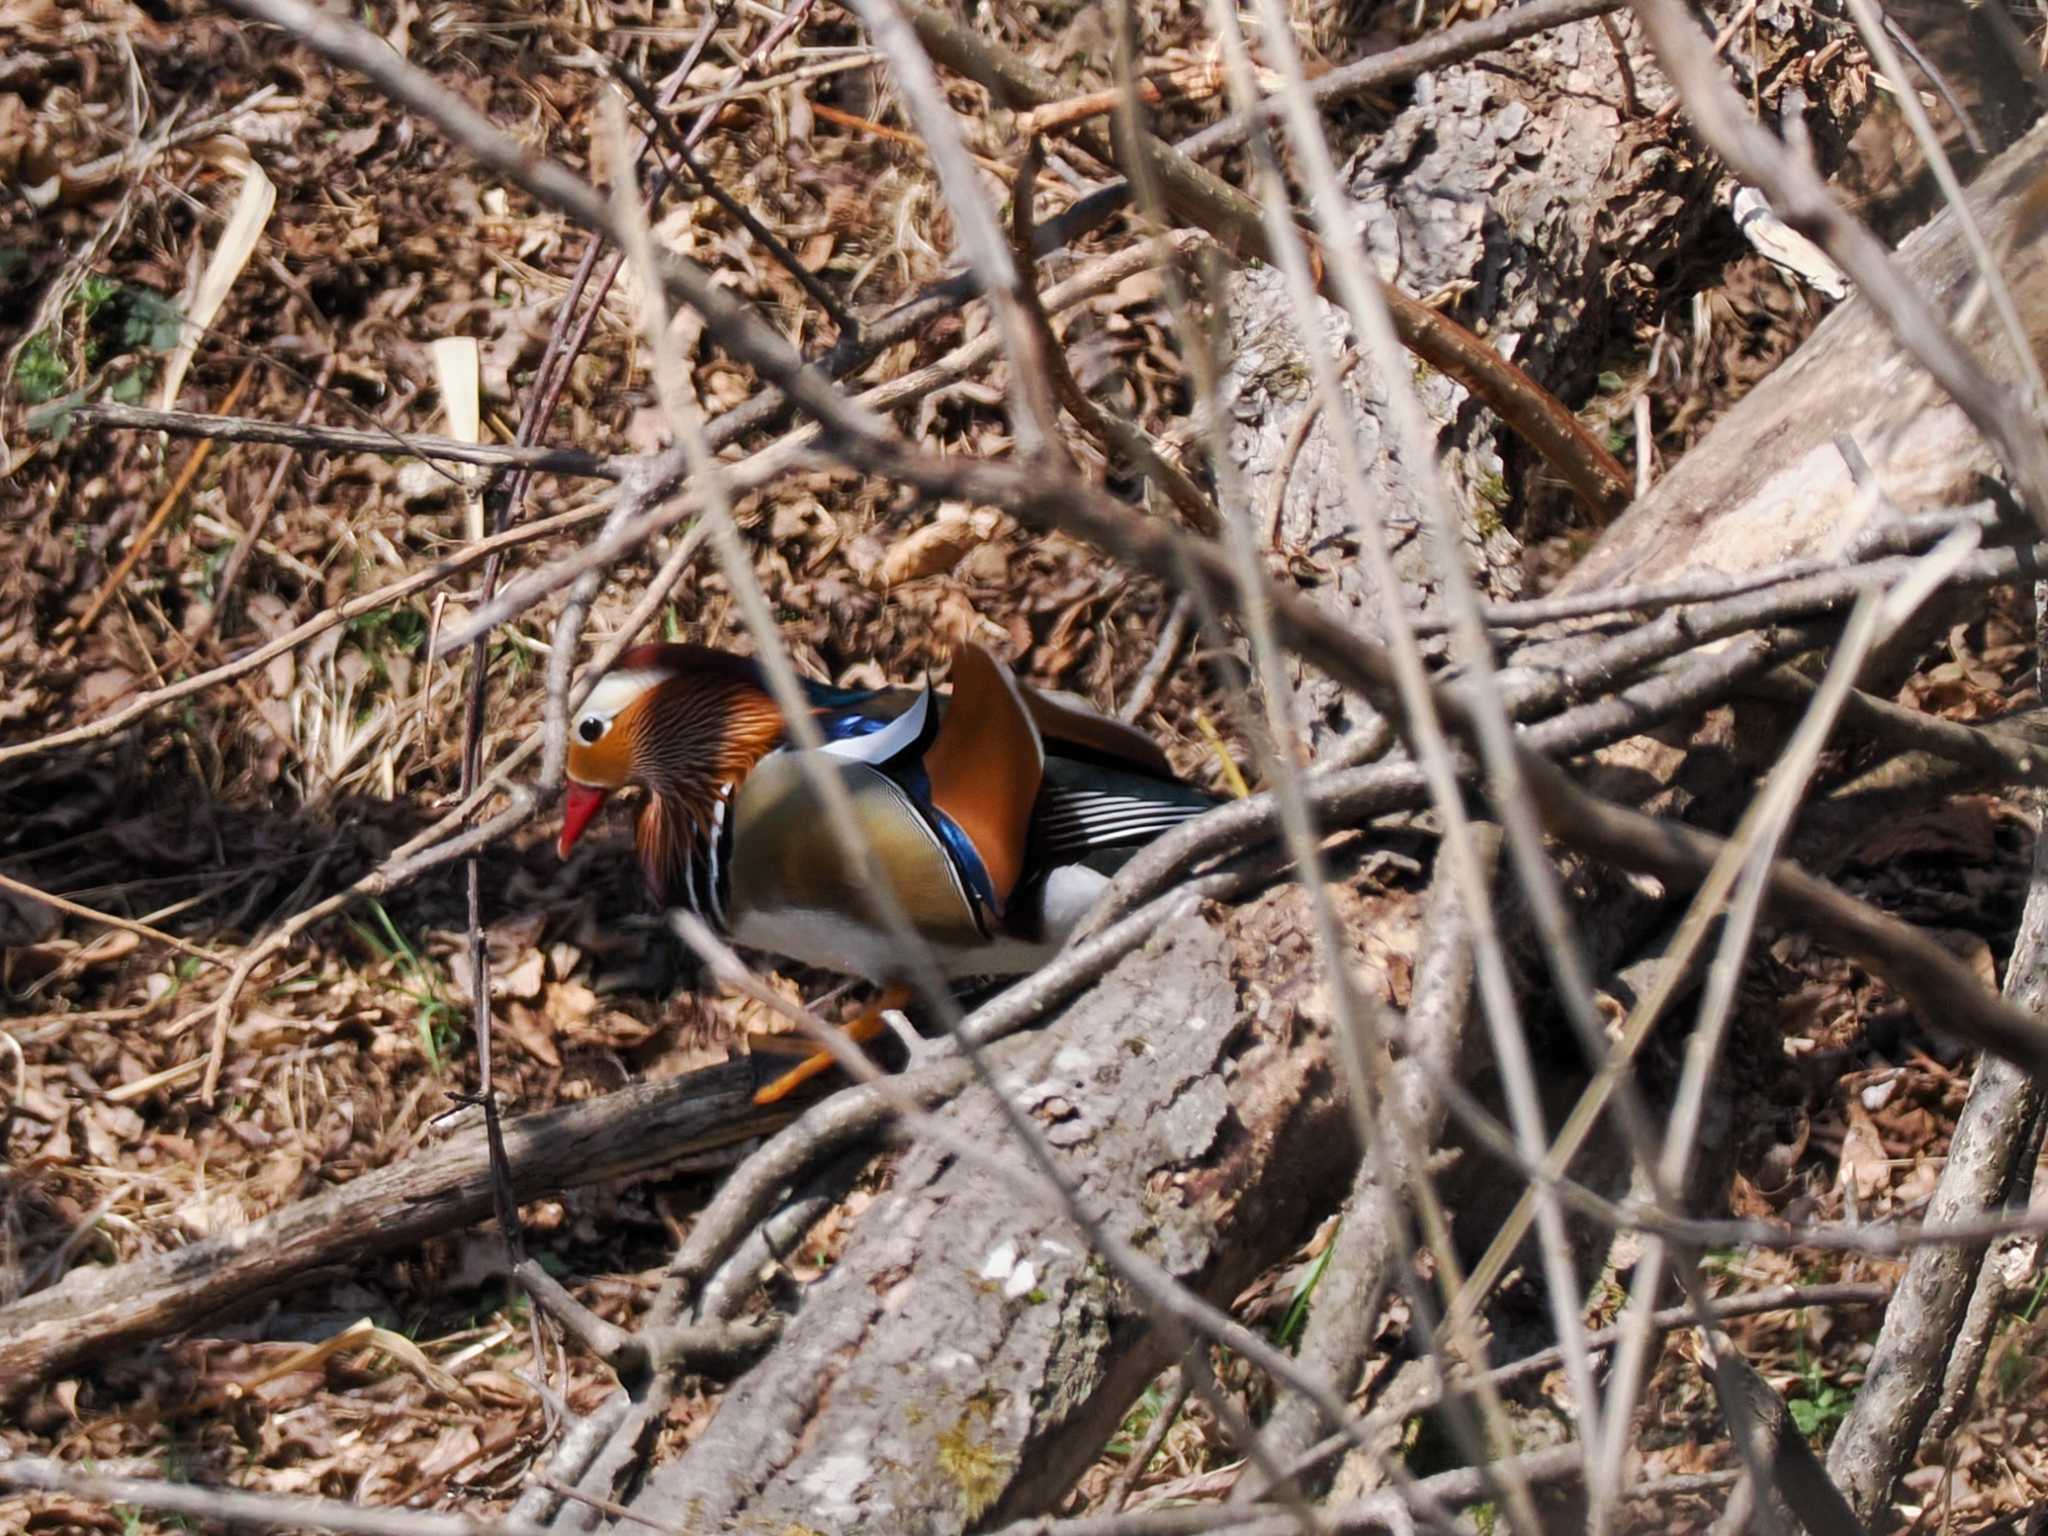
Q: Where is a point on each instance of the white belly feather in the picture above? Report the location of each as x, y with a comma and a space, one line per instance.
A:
834, 942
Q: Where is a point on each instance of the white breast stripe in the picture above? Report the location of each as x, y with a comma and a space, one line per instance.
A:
880, 746
717, 913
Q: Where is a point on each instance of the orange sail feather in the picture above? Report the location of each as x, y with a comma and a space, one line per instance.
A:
986, 764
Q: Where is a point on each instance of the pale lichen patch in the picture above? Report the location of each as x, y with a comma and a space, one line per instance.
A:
834, 1481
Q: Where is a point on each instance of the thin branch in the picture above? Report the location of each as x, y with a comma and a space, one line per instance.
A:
1359, 1020
1739, 878
1901, 536
1453, 45
1163, 1420
313, 439
976, 229
1878, 32
820, 292
1239, 223
195, 460
259, 516
2007, 751
233, 1507
1371, 1249
70, 908
1165, 652
1346, 796
1781, 1298
1939, 986
1115, 434
633, 1354
1362, 298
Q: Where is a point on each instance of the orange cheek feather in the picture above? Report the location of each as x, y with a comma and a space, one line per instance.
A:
595, 771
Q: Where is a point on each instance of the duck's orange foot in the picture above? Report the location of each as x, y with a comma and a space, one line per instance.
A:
865, 1026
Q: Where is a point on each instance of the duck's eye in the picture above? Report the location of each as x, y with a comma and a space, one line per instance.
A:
590, 727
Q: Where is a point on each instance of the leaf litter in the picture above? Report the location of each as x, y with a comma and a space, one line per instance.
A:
400, 1382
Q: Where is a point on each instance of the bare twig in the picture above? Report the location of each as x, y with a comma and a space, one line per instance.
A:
1878, 32
107, 920
819, 291
1359, 1020
634, 1354
1780, 1298
312, 439
1240, 225
1901, 536
1121, 436
1989, 1153
1165, 652
245, 546
2007, 751
1369, 1249
976, 227
1155, 1435
1421, 724
1902, 1384
1775, 1450
1452, 45
139, 545
234, 1507
1939, 985
1935, 78
1740, 876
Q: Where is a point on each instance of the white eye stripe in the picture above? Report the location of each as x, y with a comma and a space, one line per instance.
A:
618, 689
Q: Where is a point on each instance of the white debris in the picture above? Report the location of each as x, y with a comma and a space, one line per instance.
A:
1784, 246
999, 1264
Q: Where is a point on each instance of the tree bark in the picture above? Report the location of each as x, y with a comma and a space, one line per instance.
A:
968, 1355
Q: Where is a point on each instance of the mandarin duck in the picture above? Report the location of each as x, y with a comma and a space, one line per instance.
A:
998, 812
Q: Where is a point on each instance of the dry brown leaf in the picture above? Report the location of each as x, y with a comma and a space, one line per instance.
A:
522, 980
935, 547
534, 1037
103, 689
1864, 1167
1964, 829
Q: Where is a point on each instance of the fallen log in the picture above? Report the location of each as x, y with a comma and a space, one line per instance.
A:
1770, 482
969, 1353
94, 1312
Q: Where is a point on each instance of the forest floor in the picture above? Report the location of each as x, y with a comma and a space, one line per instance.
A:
241, 803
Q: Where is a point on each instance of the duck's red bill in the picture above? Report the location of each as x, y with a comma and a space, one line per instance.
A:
579, 803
